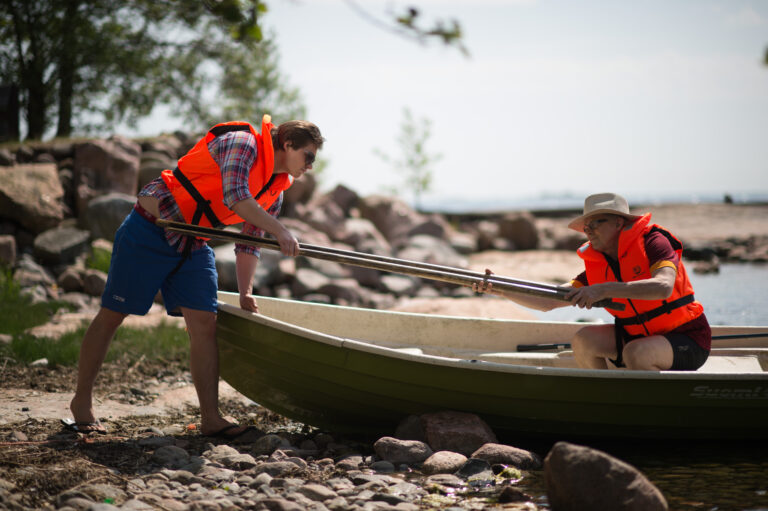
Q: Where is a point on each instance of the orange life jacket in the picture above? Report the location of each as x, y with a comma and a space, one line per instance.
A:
196, 182
643, 317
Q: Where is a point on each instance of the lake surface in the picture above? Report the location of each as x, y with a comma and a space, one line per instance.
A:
693, 476
697, 476
738, 295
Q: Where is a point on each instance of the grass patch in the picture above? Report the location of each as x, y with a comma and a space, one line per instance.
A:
99, 259
18, 312
164, 343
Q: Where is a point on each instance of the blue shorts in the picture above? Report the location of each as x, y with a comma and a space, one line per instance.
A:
143, 262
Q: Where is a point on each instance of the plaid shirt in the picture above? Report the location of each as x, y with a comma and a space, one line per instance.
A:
235, 154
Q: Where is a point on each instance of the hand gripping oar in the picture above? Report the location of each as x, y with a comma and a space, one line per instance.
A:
389, 264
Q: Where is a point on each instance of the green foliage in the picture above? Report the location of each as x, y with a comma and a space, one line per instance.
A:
92, 64
18, 312
99, 259
415, 163
165, 342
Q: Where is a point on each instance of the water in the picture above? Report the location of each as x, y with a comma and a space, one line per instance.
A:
738, 295
715, 476
692, 476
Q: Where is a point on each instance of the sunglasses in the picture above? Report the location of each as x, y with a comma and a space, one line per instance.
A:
309, 157
594, 224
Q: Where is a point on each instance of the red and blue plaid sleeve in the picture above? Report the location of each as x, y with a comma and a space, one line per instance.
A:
252, 230
235, 153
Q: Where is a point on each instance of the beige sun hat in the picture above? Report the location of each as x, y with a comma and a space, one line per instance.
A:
602, 203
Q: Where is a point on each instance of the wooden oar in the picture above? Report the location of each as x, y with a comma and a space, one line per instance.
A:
389, 264
566, 346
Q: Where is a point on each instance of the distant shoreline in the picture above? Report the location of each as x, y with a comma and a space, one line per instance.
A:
563, 205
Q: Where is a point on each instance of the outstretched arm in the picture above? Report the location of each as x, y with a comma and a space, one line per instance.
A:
532, 302
658, 287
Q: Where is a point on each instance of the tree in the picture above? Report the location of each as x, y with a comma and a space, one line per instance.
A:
93, 63
90, 64
416, 164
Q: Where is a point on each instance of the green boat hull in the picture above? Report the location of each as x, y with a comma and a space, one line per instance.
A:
344, 385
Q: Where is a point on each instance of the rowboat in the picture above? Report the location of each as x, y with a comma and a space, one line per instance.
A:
348, 369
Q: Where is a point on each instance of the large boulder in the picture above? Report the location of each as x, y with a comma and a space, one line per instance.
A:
108, 165
456, 431
32, 196
520, 229
104, 214
579, 477
60, 245
391, 216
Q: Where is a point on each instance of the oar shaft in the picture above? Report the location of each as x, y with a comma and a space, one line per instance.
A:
412, 268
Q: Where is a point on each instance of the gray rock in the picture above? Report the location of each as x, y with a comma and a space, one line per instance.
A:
278, 504
104, 214
579, 477
443, 462
520, 229
28, 273
476, 472
317, 492
7, 250
32, 196
108, 165
268, 444
401, 451
170, 456
399, 285
508, 455
456, 431
383, 467
60, 245
276, 468
308, 281
70, 280
7, 158
94, 282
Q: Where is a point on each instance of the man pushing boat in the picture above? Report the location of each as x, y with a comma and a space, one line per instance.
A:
234, 174
639, 264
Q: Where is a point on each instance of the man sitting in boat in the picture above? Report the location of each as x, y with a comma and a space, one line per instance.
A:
636, 263
234, 174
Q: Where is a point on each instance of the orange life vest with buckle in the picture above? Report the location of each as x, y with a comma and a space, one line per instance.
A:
643, 317
196, 182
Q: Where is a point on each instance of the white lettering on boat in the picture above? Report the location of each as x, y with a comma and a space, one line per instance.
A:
707, 392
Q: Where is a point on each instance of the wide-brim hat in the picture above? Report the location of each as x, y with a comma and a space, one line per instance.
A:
602, 203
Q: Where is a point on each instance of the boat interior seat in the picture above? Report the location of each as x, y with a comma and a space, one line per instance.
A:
732, 364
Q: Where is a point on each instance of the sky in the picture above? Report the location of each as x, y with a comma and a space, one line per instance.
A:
558, 98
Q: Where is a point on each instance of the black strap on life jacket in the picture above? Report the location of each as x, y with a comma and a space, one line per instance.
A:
665, 308
203, 205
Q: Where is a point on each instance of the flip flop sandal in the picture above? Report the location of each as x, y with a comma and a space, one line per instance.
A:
84, 427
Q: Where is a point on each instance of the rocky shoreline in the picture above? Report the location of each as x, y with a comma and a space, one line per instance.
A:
162, 463
63, 201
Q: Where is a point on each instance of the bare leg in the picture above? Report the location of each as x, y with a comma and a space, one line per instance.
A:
92, 352
204, 363
592, 345
649, 354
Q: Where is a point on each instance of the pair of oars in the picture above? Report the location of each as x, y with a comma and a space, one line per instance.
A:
389, 264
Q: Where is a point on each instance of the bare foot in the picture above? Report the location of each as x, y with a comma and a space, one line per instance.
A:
82, 411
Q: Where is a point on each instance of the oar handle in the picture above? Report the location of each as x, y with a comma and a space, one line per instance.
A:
400, 266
